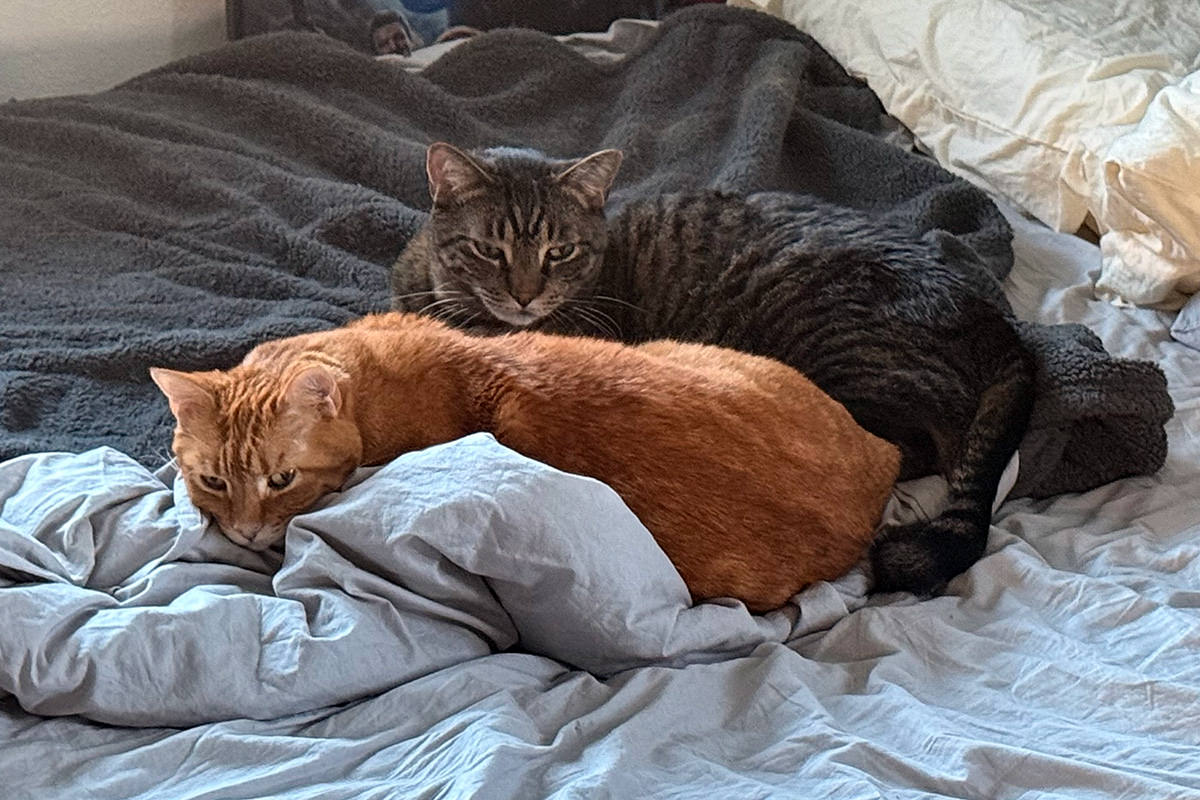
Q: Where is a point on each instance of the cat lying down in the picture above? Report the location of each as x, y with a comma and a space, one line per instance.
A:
905, 326
753, 481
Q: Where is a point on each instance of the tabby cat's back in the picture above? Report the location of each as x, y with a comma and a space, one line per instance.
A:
906, 328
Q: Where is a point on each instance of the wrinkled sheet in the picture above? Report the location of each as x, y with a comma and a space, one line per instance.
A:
142, 615
1066, 663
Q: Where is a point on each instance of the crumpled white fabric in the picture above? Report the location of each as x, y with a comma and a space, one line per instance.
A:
1077, 111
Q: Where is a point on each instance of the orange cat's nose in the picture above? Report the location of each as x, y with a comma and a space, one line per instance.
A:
254, 536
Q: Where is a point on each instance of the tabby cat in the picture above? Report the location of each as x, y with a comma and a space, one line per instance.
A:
919, 353
681, 431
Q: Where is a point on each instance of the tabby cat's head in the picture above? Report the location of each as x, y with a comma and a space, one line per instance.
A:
516, 234
255, 448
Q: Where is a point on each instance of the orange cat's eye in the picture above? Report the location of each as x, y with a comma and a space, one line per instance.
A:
281, 480
213, 482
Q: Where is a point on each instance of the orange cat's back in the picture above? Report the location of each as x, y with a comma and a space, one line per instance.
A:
753, 481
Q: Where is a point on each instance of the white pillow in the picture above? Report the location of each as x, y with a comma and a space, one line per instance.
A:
1074, 110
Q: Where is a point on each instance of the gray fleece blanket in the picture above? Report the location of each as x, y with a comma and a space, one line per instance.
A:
261, 190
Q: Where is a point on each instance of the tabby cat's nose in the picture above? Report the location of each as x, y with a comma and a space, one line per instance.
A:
524, 289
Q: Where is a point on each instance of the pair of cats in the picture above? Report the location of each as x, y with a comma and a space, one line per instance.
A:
754, 479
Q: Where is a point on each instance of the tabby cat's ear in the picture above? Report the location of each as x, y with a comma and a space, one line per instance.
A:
315, 390
188, 394
589, 179
453, 175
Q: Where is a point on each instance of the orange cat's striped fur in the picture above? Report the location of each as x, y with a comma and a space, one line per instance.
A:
753, 481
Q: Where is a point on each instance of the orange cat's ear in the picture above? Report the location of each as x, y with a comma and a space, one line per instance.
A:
188, 394
453, 175
590, 178
315, 390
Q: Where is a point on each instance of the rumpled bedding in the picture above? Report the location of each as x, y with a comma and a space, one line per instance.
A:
138, 615
1186, 327
379, 660
464, 622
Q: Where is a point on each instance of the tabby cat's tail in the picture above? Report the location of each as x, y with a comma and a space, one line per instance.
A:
921, 557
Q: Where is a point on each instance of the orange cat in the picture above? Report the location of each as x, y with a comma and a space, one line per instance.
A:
753, 481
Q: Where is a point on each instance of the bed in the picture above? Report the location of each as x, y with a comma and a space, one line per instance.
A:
464, 621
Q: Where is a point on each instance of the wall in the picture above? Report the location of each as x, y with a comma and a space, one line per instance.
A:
52, 47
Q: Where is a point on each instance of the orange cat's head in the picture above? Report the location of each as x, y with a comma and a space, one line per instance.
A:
256, 447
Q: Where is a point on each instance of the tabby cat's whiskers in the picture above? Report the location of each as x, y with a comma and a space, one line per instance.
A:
606, 299
456, 316
559, 315
439, 307
414, 295
604, 325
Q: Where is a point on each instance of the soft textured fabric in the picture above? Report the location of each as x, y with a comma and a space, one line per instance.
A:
1072, 109
262, 189
143, 614
1186, 327
138, 611
1116, 411
1063, 664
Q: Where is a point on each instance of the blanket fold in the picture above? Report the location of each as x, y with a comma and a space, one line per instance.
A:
123, 606
1095, 418
262, 189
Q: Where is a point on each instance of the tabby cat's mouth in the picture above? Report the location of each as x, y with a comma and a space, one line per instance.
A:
516, 318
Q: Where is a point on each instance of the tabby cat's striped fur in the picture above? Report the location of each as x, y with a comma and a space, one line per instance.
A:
870, 312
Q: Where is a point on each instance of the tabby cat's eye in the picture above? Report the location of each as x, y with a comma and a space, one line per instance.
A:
487, 251
281, 480
213, 482
560, 253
